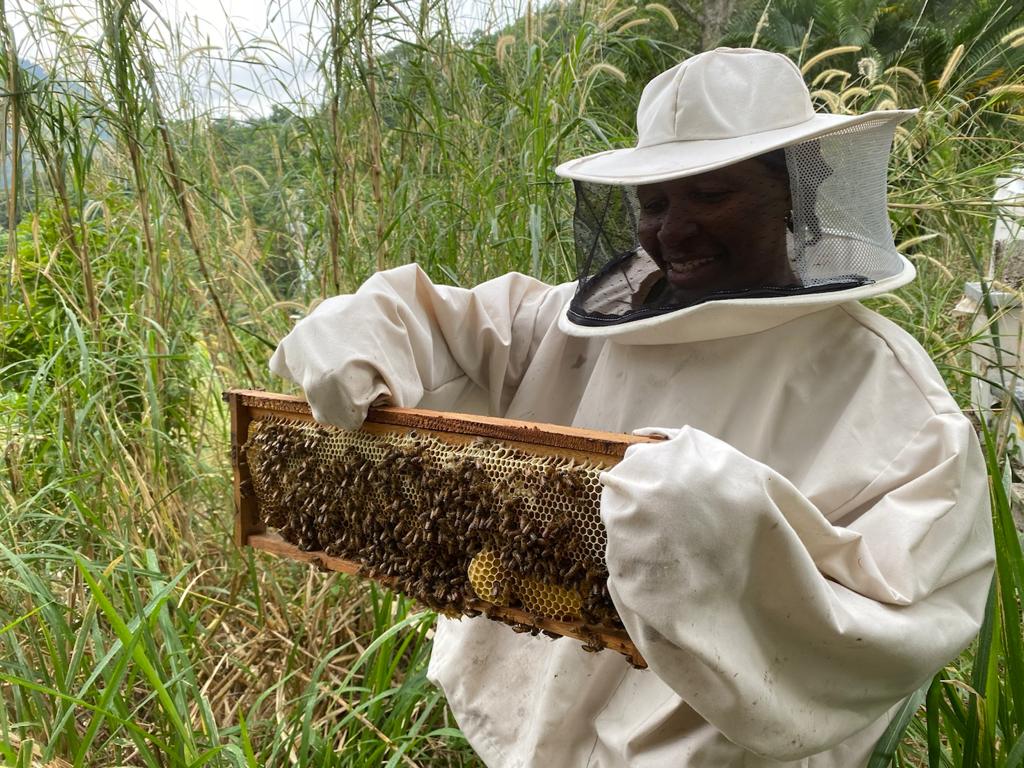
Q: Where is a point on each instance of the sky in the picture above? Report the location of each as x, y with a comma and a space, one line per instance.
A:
239, 57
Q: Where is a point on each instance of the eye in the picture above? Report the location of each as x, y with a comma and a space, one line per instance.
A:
653, 205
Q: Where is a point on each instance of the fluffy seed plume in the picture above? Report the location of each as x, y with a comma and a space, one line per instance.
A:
608, 69
826, 76
1006, 90
950, 68
905, 72
868, 68
840, 49
501, 48
617, 17
851, 94
1014, 38
634, 23
829, 98
664, 12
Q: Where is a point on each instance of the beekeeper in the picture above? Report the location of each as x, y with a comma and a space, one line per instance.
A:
811, 544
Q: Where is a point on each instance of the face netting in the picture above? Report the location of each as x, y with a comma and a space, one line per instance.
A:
808, 218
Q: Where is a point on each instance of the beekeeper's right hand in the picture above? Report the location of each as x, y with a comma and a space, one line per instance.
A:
340, 396
400, 337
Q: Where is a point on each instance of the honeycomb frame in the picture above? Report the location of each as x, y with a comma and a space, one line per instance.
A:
469, 515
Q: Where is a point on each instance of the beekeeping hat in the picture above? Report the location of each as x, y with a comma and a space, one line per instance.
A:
712, 111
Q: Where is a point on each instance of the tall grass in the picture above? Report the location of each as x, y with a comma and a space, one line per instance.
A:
160, 250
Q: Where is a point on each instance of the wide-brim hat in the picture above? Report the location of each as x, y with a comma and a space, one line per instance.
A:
715, 109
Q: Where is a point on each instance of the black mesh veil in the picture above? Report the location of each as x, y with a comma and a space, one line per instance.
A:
808, 218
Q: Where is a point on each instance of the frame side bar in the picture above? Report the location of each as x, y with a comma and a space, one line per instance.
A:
247, 514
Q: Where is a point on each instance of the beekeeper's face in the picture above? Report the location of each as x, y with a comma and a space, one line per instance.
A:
720, 231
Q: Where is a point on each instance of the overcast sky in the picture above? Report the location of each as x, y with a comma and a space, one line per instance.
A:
240, 56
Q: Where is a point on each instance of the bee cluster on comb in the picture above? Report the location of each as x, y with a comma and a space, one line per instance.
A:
463, 524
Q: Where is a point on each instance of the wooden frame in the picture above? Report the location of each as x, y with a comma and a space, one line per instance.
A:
603, 448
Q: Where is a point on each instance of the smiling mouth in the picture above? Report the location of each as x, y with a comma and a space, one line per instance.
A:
682, 272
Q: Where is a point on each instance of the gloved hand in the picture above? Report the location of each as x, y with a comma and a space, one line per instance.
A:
400, 337
343, 397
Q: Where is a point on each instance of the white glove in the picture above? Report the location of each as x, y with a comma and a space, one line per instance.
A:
343, 397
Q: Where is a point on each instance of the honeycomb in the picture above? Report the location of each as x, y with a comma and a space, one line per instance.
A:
551, 600
489, 580
448, 523
495, 584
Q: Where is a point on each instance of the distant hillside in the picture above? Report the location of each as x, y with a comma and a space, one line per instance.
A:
35, 74
32, 71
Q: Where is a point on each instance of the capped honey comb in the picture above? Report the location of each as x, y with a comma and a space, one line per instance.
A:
464, 524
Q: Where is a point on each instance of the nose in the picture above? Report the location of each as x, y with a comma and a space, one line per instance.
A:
677, 226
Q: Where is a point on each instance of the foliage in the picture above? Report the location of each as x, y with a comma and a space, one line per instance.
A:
161, 251
921, 37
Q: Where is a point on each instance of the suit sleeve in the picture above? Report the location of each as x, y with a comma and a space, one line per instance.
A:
400, 336
787, 633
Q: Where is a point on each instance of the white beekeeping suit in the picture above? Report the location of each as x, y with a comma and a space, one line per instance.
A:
811, 543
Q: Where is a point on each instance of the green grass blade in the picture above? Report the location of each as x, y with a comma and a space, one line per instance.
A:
127, 637
885, 747
124, 723
933, 700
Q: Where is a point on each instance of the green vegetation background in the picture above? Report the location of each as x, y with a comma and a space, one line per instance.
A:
157, 252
